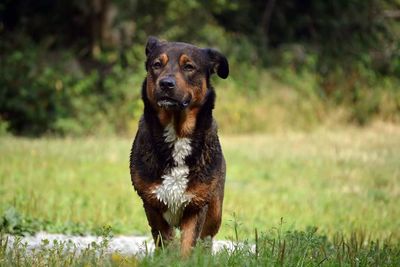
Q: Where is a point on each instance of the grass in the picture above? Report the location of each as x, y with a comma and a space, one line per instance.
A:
277, 248
339, 180
343, 181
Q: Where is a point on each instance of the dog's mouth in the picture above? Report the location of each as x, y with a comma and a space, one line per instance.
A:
172, 103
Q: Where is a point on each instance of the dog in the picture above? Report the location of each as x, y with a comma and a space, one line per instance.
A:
177, 166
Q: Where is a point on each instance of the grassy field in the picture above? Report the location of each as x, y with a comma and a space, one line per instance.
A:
343, 181
337, 180
297, 248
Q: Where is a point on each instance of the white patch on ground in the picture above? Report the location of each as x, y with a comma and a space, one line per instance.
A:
125, 245
172, 190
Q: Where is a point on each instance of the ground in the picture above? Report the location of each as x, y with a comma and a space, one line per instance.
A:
342, 181
339, 180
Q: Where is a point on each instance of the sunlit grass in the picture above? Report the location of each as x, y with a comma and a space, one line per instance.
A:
340, 180
274, 248
337, 180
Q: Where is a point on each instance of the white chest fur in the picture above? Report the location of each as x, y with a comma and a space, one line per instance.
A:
172, 190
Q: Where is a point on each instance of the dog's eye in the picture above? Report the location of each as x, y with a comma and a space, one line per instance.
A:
157, 65
188, 67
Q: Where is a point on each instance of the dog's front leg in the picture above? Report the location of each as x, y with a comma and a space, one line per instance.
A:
162, 232
191, 225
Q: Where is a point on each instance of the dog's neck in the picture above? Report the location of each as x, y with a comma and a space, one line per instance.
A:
185, 122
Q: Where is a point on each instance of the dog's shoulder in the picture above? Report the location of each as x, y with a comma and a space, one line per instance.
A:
149, 152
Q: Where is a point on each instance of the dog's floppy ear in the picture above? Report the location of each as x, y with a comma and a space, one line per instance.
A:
218, 63
152, 43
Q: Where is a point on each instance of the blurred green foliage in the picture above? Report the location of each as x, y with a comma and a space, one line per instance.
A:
76, 67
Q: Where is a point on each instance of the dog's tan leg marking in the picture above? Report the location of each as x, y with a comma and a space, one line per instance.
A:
213, 218
191, 227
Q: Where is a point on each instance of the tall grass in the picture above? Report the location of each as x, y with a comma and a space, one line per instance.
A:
274, 248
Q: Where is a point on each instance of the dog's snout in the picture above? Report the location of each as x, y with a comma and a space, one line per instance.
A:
167, 83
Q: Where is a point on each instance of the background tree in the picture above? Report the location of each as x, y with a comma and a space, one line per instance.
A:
68, 67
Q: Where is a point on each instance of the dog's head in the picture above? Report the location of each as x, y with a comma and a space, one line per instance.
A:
178, 73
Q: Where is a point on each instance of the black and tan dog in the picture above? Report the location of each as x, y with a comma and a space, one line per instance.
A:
177, 166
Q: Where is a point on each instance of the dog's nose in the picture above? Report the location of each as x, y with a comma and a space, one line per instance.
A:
167, 83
